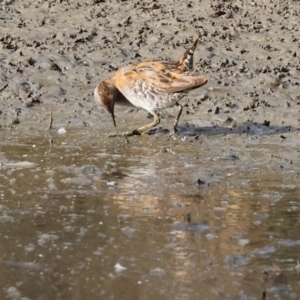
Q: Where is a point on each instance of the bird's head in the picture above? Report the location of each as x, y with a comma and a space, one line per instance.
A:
105, 95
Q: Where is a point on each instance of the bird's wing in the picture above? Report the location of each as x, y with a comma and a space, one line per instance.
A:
159, 76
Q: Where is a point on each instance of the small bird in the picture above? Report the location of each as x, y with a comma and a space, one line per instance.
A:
151, 85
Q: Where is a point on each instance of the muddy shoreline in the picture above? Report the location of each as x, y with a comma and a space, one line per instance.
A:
53, 54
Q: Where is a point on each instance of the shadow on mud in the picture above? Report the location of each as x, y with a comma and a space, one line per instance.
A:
247, 128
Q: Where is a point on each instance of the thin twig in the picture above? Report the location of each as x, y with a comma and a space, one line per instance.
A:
126, 139
4, 87
51, 120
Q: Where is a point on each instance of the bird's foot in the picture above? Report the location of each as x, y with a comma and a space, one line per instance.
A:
174, 132
125, 134
134, 132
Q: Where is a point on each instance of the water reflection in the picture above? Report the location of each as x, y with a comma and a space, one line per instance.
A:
70, 212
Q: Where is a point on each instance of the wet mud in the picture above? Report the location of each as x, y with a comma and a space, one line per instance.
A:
210, 214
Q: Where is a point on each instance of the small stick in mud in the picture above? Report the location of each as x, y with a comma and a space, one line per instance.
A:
3, 88
51, 120
126, 139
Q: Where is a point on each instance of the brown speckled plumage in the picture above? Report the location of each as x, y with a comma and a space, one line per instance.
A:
151, 85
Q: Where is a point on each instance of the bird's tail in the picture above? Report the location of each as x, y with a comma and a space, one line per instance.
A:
186, 61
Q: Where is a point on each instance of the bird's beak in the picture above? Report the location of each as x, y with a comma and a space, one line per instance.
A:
113, 118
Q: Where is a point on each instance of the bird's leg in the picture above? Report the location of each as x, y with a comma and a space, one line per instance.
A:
142, 129
145, 128
180, 108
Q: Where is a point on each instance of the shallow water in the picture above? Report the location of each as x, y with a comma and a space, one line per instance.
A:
86, 216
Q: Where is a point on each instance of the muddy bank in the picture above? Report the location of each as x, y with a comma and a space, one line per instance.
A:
53, 54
